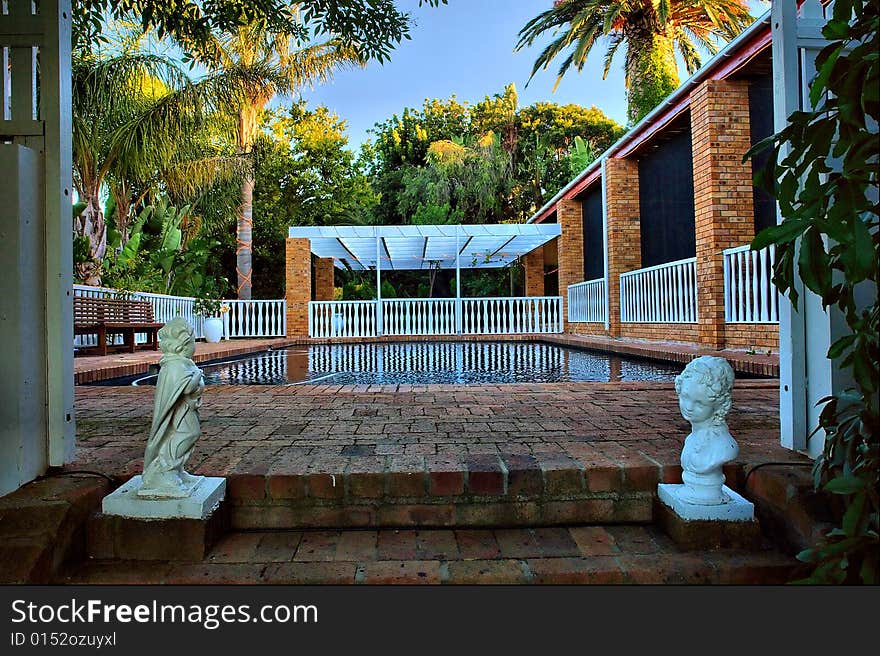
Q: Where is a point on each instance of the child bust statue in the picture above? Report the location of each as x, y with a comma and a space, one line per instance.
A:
704, 391
175, 427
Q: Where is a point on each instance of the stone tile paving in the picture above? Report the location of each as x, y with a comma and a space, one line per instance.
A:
311, 430
558, 555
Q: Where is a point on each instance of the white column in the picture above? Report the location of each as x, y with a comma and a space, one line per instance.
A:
38, 410
378, 286
457, 280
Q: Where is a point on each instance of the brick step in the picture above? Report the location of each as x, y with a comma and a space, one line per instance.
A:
566, 554
481, 491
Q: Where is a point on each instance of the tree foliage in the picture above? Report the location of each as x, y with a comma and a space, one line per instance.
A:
512, 158
304, 174
372, 28
823, 170
651, 32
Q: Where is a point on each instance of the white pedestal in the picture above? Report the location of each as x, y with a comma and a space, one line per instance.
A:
735, 509
204, 499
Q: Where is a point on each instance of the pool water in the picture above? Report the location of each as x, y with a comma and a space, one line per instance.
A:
421, 363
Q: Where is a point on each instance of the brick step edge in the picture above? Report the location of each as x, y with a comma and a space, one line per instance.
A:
634, 508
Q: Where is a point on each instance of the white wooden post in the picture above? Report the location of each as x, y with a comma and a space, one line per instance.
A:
39, 218
457, 280
379, 327
806, 374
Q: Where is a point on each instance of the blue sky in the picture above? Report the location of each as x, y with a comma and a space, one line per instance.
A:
466, 48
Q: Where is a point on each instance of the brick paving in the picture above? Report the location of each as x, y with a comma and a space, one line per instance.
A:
398, 428
558, 555
431, 456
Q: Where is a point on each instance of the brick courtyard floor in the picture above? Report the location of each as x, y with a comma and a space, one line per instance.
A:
349, 427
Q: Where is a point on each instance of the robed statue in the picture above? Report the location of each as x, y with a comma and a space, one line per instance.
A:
175, 426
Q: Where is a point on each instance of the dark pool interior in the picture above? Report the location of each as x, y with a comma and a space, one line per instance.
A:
420, 363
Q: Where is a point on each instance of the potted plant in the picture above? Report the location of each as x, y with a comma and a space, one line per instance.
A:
211, 309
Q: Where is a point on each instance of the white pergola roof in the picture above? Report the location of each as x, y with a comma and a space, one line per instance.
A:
423, 246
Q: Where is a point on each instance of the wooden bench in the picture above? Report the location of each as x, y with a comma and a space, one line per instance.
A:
107, 317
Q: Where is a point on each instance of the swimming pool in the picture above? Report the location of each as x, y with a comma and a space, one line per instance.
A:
421, 363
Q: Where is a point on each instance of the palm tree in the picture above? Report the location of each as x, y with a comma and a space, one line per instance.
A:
268, 64
652, 31
138, 121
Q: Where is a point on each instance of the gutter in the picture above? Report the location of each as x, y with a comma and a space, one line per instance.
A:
760, 24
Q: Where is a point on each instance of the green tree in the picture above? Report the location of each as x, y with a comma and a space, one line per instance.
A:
304, 174
267, 64
650, 30
139, 123
536, 140
372, 28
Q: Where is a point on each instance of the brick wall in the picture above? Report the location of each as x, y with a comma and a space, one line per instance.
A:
533, 263
298, 286
723, 201
665, 332
624, 231
757, 336
579, 328
570, 246
324, 278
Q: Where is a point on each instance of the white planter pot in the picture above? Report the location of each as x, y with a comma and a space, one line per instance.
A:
213, 328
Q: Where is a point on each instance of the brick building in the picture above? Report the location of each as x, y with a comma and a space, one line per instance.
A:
655, 232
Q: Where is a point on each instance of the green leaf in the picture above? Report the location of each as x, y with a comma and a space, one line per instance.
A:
852, 518
845, 484
787, 231
813, 264
130, 250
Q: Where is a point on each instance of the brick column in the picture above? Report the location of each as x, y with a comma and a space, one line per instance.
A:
624, 230
723, 205
298, 286
533, 263
324, 278
570, 246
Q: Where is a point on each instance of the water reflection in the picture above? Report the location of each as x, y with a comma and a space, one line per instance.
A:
464, 363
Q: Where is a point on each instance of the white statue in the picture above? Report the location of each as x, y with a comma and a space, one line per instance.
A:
175, 427
704, 390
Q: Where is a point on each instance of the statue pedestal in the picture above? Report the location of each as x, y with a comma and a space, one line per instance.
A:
728, 525
202, 501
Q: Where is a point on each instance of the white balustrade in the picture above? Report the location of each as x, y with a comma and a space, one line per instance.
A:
255, 318
418, 316
511, 316
666, 293
437, 316
749, 293
342, 319
586, 301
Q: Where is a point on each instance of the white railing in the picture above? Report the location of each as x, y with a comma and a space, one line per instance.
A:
511, 316
342, 319
586, 301
418, 316
749, 293
436, 316
255, 318
666, 293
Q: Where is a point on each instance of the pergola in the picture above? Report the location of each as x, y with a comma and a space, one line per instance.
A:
424, 247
